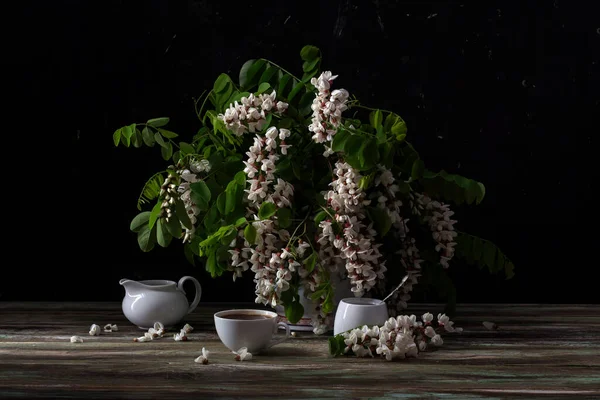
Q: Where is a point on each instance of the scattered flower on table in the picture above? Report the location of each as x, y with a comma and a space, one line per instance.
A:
187, 328
110, 328
76, 339
242, 354
399, 337
157, 331
95, 330
203, 359
181, 336
490, 325
142, 339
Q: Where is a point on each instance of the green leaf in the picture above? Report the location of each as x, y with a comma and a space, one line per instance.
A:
240, 178
263, 87
167, 134
173, 226
136, 139
156, 122
163, 237
294, 311
337, 345
211, 265
221, 83
182, 214
158, 138
117, 136
146, 238
267, 210
203, 192
297, 88
240, 221
268, 75
340, 139
221, 203
126, 133
368, 154
376, 119
154, 215
167, 151
139, 221
380, 219
212, 218
310, 262
148, 137
418, 168
189, 253
489, 257
233, 196
284, 217
309, 53
186, 148
250, 233
249, 73
283, 84
399, 127
304, 106
310, 66
321, 215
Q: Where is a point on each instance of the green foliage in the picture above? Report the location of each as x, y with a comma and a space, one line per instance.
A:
367, 139
483, 253
151, 189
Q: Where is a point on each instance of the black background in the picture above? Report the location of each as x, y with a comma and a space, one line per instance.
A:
503, 92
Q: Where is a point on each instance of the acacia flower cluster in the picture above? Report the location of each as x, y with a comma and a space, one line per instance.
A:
437, 215
327, 109
250, 115
268, 257
399, 337
188, 176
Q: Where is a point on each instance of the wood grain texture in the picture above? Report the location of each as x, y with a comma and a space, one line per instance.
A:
539, 351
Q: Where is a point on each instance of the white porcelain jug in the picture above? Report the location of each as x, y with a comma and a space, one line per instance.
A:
150, 301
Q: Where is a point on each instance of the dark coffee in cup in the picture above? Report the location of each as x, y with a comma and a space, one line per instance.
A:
246, 316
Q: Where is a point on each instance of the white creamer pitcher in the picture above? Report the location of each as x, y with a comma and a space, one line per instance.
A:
150, 301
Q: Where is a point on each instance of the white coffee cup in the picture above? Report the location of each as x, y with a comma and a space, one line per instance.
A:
253, 329
354, 312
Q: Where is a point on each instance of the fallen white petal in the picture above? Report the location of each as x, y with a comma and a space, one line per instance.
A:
187, 328
95, 330
490, 325
76, 339
142, 339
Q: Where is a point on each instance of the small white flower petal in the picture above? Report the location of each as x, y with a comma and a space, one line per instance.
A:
187, 328
94, 330
76, 339
490, 325
142, 339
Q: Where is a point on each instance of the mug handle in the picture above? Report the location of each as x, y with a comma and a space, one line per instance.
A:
283, 339
198, 291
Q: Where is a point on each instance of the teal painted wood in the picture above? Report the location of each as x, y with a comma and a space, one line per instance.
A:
538, 351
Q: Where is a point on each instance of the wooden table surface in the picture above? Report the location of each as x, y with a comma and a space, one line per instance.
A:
538, 351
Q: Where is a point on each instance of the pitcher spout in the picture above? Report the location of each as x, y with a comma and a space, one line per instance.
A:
131, 285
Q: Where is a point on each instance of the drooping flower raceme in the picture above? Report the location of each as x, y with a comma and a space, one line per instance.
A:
250, 115
437, 215
327, 109
399, 337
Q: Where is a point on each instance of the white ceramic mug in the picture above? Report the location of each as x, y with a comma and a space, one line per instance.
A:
354, 312
253, 329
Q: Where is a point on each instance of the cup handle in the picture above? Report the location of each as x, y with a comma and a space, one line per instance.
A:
198, 291
283, 339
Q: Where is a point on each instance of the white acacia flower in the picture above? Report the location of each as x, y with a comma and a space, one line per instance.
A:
76, 339
203, 359
181, 336
187, 328
437, 340
94, 330
427, 318
111, 328
242, 354
430, 332
142, 339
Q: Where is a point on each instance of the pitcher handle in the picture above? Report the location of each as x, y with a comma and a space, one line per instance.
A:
283, 339
198, 291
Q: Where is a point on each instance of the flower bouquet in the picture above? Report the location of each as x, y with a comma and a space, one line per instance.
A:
295, 182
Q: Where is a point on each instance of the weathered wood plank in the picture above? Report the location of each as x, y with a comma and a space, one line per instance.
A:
539, 351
